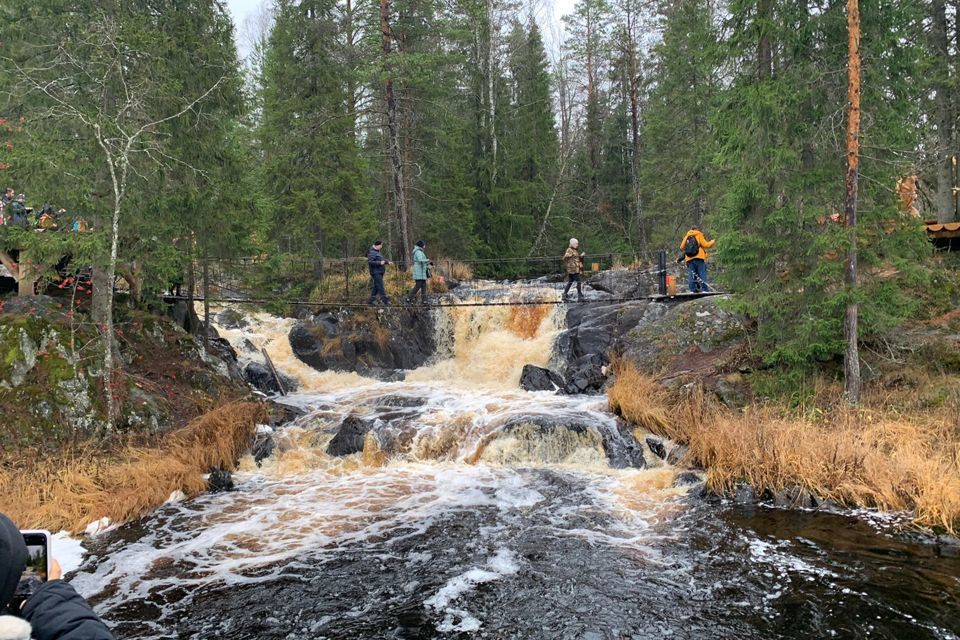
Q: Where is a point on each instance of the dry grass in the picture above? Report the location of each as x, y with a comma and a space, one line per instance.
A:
72, 491
454, 269
884, 455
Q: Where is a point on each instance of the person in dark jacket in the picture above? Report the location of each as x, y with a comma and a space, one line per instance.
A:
378, 266
54, 612
19, 214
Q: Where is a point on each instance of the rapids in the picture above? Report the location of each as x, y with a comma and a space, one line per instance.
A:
474, 509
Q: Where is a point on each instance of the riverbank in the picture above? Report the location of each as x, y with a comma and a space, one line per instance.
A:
93, 484
899, 451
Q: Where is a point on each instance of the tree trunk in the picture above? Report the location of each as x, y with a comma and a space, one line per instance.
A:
395, 150
27, 278
491, 99
943, 198
851, 360
634, 88
764, 43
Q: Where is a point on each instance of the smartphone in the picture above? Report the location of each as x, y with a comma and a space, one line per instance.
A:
38, 563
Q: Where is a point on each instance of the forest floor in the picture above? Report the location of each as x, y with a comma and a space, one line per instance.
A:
898, 451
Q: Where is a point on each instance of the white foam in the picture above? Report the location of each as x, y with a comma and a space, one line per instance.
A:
502, 564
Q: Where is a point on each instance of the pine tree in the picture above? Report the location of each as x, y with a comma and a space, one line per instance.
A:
680, 183
320, 202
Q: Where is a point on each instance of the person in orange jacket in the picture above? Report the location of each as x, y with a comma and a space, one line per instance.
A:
693, 245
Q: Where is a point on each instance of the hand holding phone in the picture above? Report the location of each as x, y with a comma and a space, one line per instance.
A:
40, 564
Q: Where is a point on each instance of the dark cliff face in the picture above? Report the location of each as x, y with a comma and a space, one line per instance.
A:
366, 341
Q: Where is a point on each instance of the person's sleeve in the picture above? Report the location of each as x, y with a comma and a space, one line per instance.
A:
684, 241
57, 612
372, 259
707, 243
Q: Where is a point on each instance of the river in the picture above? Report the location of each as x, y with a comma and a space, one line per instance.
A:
477, 510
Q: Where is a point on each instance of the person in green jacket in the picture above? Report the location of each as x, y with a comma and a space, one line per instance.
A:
421, 271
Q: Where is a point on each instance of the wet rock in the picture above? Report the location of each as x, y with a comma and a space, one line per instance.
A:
623, 284
349, 437
744, 494
328, 323
534, 378
281, 414
184, 316
260, 377
657, 447
263, 447
381, 374
597, 329
220, 480
231, 319
623, 449
349, 340
677, 454
586, 375
687, 479
401, 401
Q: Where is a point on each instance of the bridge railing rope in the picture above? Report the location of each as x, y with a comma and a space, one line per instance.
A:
346, 281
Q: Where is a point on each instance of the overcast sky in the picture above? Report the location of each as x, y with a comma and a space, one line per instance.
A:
548, 14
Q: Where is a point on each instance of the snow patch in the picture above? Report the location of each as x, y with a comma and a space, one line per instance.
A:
68, 551
97, 526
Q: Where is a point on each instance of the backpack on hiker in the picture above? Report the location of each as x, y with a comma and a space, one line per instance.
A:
691, 248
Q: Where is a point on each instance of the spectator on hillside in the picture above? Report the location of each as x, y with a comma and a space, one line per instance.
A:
47, 222
55, 611
7, 197
79, 224
378, 267
573, 263
693, 245
19, 213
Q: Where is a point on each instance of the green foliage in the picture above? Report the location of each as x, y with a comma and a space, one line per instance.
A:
783, 166
319, 203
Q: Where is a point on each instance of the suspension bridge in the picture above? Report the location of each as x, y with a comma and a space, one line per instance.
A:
345, 282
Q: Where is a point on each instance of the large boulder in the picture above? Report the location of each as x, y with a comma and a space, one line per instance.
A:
349, 437
623, 284
696, 337
597, 329
554, 440
534, 378
375, 342
259, 376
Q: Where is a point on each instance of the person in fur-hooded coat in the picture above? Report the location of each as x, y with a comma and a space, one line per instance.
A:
54, 612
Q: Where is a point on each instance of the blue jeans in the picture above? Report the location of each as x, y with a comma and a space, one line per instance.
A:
697, 270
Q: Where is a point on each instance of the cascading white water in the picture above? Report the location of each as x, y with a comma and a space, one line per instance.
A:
466, 506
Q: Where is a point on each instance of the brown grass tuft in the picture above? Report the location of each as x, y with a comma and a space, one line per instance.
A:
88, 484
876, 456
454, 269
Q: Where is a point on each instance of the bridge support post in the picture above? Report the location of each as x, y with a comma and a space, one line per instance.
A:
662, 272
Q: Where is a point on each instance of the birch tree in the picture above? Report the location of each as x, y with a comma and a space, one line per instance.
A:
106, 90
